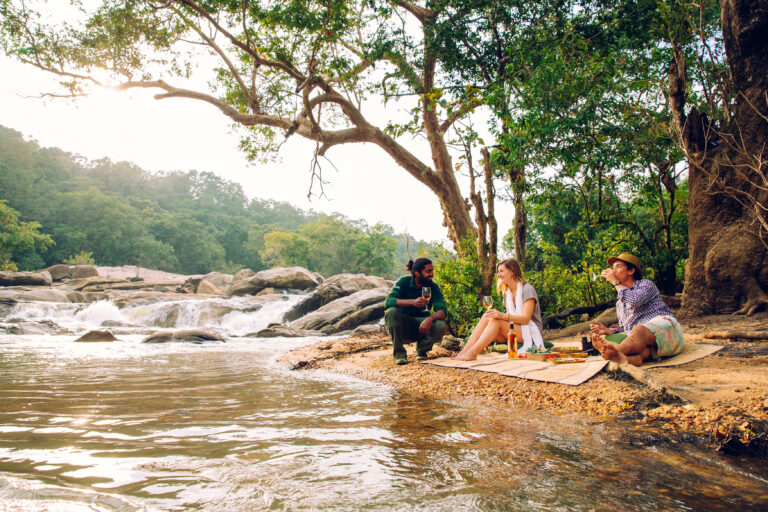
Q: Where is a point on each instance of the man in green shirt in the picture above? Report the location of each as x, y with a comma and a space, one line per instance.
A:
408, 315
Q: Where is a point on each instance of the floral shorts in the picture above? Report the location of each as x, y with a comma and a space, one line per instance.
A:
668, 334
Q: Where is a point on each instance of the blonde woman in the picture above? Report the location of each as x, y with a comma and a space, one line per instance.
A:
522, 309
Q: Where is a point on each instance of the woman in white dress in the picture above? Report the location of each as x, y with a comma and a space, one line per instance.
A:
522, 310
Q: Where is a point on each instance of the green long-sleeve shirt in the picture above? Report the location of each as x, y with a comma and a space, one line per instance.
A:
405, 288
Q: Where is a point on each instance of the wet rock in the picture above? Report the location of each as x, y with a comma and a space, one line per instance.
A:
333, 288
97, 336
42, 278
189, 336
37, 328
34, 294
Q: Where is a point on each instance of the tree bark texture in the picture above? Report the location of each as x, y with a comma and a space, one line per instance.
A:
727, 268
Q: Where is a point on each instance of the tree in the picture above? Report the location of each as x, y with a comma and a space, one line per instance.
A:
283, 249
297, 68
17, 237
724, 140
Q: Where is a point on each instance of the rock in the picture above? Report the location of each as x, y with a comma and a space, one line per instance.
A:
191, 336
190, 285
34, 295
59, 272
132, 272
42, 278
354, 319
294, 278
369, 329
282, 331
86, 297
607, 317
243, 273
361, 307
334, 288
214, 283
97, 336
451, 343
84, 271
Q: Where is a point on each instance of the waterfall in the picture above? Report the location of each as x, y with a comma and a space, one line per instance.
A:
235, 316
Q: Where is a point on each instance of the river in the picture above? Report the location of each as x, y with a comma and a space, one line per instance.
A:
222, 426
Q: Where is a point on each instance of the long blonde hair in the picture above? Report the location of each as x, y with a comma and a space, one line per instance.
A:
514, 267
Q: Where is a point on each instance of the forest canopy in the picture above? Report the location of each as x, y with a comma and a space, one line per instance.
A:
62, 208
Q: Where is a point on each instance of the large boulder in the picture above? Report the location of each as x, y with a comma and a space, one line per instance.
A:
84, 271
96, 336
59, 272
334, 288
41, 278
345, 313
34, 295
243, 273
286, 278
214, 283
190, 336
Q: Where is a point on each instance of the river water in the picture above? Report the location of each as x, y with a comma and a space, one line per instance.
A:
131, 426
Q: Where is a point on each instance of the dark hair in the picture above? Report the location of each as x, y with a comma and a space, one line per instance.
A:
418, 265
638, 274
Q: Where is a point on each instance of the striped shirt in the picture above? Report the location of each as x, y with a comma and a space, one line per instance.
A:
639, 304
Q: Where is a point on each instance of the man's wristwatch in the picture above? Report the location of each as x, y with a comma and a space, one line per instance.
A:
615, 283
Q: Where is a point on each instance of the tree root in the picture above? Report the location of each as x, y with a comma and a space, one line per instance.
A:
737, 335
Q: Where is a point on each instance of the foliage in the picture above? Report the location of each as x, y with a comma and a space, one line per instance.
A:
18, 236
81, 258
461, 281
189, 223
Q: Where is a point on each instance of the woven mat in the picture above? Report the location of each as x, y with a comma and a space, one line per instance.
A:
570, 374
690, 353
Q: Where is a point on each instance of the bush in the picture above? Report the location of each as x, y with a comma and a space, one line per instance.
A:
461, 281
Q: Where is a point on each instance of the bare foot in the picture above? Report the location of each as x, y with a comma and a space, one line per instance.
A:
462, 357
599, 343
611, 353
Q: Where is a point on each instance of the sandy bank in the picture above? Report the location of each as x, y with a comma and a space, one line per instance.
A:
720, 401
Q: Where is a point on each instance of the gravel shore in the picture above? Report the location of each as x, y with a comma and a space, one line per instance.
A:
720, 401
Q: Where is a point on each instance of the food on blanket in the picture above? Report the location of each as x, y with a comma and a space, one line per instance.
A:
566, 360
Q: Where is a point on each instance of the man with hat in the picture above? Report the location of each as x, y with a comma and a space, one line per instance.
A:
653, 331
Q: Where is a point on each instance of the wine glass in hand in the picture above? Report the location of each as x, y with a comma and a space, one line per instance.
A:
426, 294
487, 302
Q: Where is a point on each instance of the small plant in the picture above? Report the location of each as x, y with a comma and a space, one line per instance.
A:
81, 258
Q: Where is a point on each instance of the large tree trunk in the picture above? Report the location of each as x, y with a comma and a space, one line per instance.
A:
727, 268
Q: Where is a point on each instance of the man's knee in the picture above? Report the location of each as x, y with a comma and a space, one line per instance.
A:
392, 317
439, 329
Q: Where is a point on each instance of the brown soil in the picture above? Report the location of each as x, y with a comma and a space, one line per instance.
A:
720, 401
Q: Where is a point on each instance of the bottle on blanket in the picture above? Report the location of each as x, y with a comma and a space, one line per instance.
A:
511, 343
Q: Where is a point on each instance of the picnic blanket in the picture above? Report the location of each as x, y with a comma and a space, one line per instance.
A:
570, 374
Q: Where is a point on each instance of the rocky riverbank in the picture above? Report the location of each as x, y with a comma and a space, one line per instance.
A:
720, 401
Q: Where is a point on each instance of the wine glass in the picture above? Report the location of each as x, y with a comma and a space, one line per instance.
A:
487, 302
426, 293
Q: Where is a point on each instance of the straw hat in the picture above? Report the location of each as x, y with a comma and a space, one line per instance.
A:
626, 258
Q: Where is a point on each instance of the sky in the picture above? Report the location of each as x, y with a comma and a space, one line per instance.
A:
184, 134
